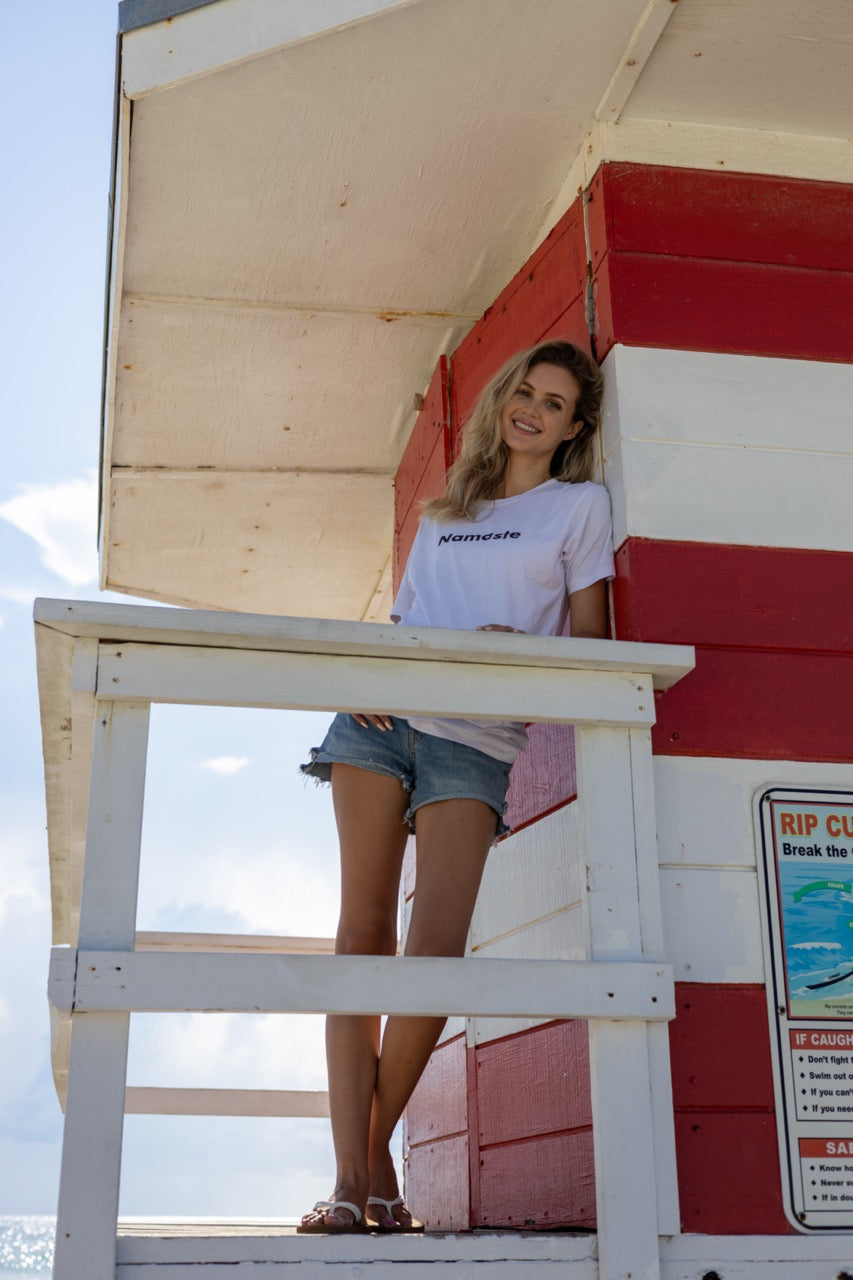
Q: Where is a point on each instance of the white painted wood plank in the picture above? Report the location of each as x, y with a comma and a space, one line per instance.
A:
148, 1100
704, 804
375, 1269
651, 931
233, 942
253, 1242
682, 427
114, 829
703, 398
626, 1146
792, 1257
632, 64
688, 144
157, 982
530, 875
400, 686
84, 675
559, 937
624, 1140
162, 54
606, 835
94, 1116
91, 1148
148, 624
712, 925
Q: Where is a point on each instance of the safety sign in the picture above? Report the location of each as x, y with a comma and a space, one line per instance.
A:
805, 845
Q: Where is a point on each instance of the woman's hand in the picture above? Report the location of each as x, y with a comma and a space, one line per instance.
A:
498, 626
368, 718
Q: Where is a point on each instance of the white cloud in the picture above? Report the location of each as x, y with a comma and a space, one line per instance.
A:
62, 520
225, 766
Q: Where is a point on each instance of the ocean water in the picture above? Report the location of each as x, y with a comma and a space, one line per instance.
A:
26, 1247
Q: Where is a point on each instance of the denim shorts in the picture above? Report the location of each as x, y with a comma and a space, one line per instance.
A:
430, 768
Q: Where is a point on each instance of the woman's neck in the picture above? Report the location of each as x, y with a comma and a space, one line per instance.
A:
519, 478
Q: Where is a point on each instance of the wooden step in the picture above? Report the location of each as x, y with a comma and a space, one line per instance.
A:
273, 1251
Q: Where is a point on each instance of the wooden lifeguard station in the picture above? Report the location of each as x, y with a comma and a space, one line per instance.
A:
332, 221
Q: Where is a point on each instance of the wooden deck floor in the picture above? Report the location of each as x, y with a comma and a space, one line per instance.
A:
239, 1248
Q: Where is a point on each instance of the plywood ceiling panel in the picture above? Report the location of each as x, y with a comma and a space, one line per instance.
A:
295, 544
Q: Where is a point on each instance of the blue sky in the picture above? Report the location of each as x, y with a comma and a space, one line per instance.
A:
233, 840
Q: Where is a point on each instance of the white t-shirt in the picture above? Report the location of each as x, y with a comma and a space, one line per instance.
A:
516, 564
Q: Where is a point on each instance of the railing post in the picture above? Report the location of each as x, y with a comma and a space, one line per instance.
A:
94, 1117
623, 1124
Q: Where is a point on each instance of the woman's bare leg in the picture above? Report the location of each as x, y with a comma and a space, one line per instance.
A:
453, 841
369, 810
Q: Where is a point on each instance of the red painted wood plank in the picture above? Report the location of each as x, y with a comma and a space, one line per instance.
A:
759, 705
543, 1182
423, 467
720, 1048
439, 1105
736, 217
743, 308
437, 1184
711, 594
728, 1173
544, 775
537, 301
535, 1082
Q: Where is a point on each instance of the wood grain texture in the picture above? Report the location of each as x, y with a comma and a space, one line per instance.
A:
423, 466
704, 305
544, 774
533, 1083
544, 1182
728, 1172
720, 262
437, 1184
720, 1047
736, 217
762, 597
439, 1106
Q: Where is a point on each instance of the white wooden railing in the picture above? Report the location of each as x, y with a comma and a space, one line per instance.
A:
100, 668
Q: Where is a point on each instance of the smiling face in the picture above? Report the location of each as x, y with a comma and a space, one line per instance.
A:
539, 416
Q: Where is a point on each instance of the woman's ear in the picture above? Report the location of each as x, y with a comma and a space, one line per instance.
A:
575, 429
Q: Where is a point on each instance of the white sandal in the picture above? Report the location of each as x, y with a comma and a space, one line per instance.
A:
314, 1223
389, 1206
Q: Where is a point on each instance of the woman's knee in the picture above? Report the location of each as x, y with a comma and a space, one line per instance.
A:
366, 937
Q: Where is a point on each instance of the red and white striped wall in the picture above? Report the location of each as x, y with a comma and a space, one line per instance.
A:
720, 308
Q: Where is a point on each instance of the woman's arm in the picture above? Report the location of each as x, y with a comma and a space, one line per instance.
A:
588, 611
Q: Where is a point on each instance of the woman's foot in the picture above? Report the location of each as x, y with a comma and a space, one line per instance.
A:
385, 1207
391, 1215
337, 1215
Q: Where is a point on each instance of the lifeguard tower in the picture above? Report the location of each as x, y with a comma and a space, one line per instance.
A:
332, 221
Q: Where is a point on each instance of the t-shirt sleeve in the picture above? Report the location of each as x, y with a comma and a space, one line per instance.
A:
588, 551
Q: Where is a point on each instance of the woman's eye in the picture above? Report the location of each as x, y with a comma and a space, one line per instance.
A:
523, 393
553, 404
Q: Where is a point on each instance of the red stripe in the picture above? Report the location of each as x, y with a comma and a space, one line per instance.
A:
721, 594
737, 217
772, 627
743, 308
423, 467
733, 262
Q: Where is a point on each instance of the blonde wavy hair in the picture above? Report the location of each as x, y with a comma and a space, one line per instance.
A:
478, 473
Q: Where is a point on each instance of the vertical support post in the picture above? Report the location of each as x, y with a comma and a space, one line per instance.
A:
652, 940
623, 1129
97, 1069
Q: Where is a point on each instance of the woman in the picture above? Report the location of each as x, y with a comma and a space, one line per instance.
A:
520, 538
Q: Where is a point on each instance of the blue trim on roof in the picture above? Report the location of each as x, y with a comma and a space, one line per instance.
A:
142, 13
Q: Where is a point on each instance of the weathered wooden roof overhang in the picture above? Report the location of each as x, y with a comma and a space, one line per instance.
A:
313, 201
